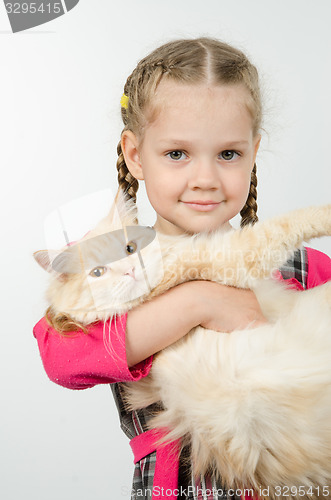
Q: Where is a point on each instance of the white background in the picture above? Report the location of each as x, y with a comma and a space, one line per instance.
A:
60, 87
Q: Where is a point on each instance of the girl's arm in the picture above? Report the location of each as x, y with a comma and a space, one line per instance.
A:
82, 360
156, 324
122, 351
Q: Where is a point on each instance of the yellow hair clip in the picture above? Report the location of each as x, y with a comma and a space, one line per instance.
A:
124, 101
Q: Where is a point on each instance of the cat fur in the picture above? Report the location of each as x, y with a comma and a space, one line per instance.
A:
254, 405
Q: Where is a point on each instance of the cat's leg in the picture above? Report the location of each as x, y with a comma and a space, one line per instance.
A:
240, 258
253, 253
186, 259
272, 242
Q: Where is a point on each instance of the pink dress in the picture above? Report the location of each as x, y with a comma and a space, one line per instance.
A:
83, 361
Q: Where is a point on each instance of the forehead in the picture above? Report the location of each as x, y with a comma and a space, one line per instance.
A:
181, 108
174, 90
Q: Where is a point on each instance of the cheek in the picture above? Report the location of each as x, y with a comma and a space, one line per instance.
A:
161, 190
236, 185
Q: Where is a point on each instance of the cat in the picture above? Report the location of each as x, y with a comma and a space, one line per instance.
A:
254, 405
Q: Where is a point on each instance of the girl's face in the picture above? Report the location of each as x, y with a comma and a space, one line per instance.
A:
196, 157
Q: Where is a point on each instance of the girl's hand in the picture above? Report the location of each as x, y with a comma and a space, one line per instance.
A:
226, 308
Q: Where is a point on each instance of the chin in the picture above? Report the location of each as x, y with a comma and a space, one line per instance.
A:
203, 227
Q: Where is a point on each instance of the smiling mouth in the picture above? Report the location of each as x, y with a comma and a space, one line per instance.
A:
202, 206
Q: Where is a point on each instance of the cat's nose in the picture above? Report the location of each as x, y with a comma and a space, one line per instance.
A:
130, 272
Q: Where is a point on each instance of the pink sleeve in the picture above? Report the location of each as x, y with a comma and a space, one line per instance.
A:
84, 360
319, 268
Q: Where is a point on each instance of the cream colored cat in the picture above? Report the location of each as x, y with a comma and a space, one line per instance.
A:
255, 405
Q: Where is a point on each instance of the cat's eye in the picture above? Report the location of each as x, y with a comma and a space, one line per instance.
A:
131, 247
98, 271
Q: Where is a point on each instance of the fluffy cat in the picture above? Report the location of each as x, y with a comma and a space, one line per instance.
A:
255, 405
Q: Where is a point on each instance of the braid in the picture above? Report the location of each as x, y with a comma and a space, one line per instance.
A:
249, 212
126, 181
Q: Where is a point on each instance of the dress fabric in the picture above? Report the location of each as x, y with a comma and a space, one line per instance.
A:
134, 423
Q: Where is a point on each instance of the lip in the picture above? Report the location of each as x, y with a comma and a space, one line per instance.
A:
202, 205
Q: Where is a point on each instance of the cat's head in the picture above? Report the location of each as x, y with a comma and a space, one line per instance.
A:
107, 272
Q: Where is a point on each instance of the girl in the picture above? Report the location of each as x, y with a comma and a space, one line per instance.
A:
192, 115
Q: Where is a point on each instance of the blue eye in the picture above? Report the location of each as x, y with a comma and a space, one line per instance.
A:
229, 154
176, 155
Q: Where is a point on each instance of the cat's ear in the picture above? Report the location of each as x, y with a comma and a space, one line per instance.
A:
45, 259
125, 208
123, 212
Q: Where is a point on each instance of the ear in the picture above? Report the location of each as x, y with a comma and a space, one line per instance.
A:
256, 144
130, 149
44, 259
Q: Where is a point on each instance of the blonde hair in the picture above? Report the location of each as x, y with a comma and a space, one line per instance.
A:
63, 323
188, 61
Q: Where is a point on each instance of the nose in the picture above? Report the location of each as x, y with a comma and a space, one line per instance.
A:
130, 272
204, 174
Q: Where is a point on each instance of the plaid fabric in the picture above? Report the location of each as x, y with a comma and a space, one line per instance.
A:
142, 485
296, 267
135, 422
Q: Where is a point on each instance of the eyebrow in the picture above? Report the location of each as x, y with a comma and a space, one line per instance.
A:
227, 145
